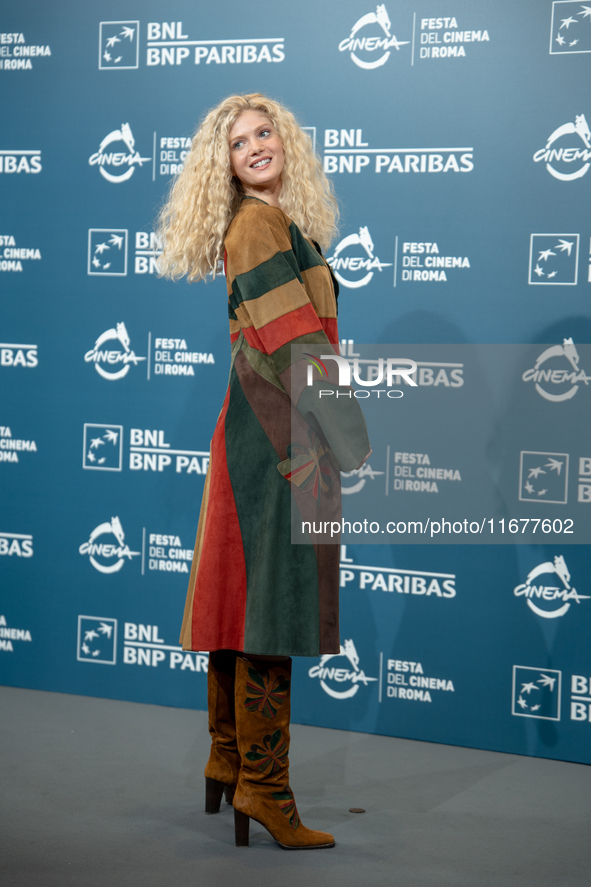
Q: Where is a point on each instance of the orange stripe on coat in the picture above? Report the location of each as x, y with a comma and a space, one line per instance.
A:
219, 605
295, 323
327, 324
330, 327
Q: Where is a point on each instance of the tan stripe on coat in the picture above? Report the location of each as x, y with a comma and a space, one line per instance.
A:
276, 303
319, 288
246, 252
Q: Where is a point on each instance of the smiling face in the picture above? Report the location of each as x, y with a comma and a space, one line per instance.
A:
256, 155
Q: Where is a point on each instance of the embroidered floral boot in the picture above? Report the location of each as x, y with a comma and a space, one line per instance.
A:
262, 728
221, 772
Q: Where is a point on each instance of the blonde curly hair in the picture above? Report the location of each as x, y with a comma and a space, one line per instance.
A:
205, 196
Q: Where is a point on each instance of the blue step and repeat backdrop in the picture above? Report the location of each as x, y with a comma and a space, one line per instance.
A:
457, 136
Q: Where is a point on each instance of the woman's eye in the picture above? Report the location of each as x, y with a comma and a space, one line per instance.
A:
265, 132
237, 145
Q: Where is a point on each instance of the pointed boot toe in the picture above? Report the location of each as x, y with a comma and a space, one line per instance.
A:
278, 813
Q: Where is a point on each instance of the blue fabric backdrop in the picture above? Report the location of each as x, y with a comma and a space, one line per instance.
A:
450, 130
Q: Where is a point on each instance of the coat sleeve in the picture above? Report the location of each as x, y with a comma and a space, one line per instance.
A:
266, 290
270, 303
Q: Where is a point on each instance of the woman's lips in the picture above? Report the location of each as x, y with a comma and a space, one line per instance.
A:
264, 161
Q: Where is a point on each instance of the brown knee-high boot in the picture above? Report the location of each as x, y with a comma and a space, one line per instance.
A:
221, 772
262, 728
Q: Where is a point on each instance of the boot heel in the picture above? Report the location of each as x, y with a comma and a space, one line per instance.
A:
228, 794
241, 828
213, 795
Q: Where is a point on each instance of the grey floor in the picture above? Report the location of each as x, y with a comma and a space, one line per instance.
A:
97, 793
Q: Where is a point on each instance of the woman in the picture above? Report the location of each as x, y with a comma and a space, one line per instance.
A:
253, 193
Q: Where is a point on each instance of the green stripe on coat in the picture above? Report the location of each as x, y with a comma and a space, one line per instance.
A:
282, 603
282, 358
275, 272
306, 255
261, 364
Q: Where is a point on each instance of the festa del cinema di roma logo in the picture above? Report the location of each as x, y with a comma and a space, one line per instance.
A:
376, 40
347, 268
563, 153
112, 556
113, 357
111, 161
554, 593
543, 377
331, 675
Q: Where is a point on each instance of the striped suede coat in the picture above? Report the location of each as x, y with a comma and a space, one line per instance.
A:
250, 588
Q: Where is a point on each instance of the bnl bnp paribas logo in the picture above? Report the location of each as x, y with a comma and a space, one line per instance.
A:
102, 447
167, 44
117, 156
97, 639
554, 260
570, 30
107, 252
371, 40
556, 373
567, 153
354, 260
536, 692
543, 477
118, 45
